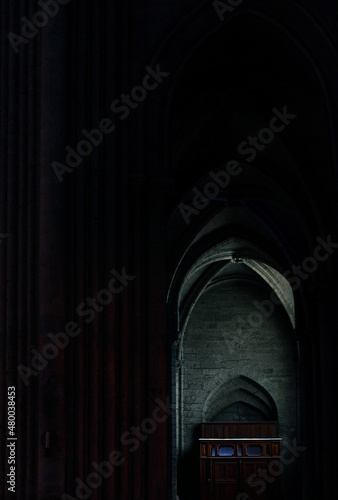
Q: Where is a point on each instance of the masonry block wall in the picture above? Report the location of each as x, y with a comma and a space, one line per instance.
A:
222, 342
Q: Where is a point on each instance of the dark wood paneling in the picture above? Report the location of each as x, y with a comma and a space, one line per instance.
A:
239, 429
226, 477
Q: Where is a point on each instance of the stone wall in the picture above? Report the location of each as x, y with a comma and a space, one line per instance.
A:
220, 346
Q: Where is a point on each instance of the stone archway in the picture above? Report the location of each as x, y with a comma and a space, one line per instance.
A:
243, 392
223, 363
